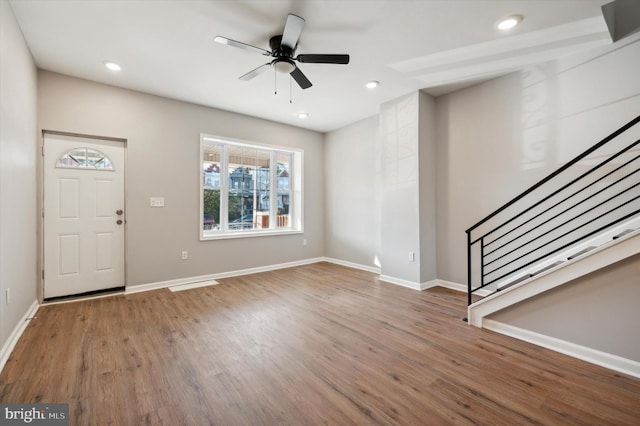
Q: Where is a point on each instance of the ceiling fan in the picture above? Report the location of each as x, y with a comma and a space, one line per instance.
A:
283, 49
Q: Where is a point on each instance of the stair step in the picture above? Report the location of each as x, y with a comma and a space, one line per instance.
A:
581, 252
514, 282
546, 268
623, 233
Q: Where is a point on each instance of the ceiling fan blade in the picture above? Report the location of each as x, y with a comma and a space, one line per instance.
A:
262, 68
300, 78
323, 59
292, 30
229, 42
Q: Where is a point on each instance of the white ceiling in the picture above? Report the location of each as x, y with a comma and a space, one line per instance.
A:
166, 48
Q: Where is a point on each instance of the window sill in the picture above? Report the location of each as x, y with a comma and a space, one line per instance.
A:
248, 234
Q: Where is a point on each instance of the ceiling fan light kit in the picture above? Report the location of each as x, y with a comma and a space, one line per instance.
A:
283, 48
283, 65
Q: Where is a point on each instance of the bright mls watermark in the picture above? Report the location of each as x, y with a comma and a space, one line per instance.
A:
34, 414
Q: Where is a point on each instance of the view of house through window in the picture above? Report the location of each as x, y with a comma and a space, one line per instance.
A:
248, 189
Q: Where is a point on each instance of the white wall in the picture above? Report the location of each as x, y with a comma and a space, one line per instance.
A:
163, 161
352, 197
18, 153
498, 138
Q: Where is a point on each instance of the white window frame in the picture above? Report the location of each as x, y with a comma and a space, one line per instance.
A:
296, 172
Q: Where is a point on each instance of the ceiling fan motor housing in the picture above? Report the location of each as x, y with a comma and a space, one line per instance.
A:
278, 49
282, 54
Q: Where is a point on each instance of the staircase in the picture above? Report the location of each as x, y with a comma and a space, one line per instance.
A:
590, 259
582, 217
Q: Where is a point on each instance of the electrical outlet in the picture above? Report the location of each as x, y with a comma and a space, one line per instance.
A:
185, 255
412, 256
304, 242
8, 296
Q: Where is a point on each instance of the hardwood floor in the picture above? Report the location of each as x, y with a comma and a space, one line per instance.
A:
317, 344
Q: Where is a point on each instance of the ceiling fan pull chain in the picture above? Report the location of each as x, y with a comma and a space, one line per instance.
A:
275, 82
290, 90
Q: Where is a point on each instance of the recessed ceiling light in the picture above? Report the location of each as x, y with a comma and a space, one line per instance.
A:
509, 22
112, 66
372, 84
303, 115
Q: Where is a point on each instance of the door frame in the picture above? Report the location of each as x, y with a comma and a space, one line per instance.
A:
40, 261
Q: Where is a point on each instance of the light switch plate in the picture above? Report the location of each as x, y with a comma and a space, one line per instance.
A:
156, 201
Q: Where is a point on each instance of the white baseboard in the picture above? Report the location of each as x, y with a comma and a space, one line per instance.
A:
194, 281
385, 278
594, 356
409, 284
8, 346
373, 269
428, 284
399, 281
452, 285
462, 288
213, 277
183, 287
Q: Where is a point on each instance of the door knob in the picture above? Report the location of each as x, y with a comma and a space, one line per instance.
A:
119, 212
119, 221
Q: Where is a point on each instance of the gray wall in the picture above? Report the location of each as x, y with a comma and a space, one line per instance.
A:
380, 179
18, 153
162, 161
352, 197
497, 138
427, 187
400, 204
599, 311
492, 141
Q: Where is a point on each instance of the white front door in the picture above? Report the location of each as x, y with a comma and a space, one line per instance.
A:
83, 215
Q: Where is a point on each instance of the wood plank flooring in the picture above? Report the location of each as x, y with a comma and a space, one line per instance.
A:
317, 344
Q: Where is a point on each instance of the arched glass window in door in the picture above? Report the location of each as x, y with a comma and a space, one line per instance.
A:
84, 158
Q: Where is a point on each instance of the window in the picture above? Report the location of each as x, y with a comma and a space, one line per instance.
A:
248, 189
84, 158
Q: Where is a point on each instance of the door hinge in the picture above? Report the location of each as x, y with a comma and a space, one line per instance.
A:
43, 274
42, 150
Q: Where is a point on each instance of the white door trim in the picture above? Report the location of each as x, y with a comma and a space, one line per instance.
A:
44, 133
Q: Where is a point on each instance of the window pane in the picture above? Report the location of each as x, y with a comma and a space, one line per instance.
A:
84, 158
283, 172
211, 166
263, 185
211, 210
247, 189
211, 183
241, 188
